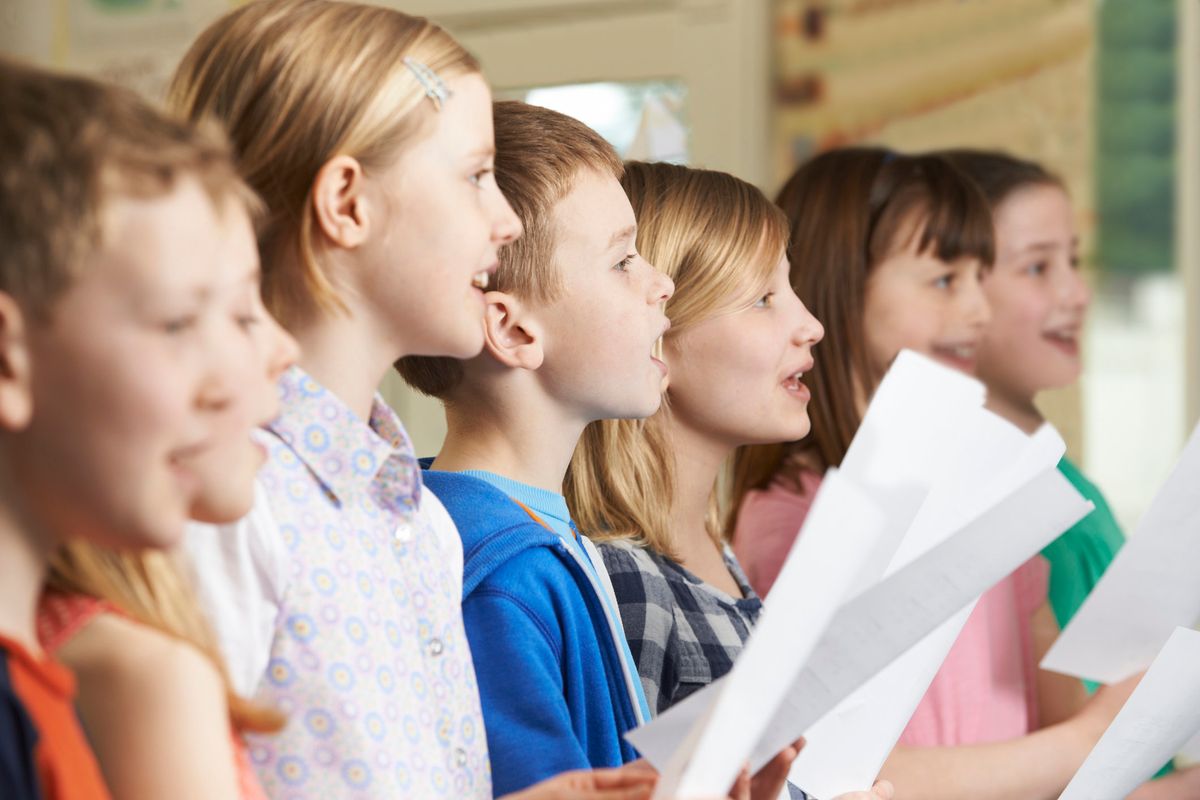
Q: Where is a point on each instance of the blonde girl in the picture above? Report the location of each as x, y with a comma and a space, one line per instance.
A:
368, 134
646, 492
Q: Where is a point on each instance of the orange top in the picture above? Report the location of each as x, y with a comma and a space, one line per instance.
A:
61, 616
66, 767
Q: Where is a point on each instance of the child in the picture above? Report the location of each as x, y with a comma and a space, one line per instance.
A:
889, 250
153, 693
336, 601
114, 379
739, 341
571, 332
1039, 303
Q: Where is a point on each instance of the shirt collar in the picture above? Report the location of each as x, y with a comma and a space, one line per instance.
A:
345, 454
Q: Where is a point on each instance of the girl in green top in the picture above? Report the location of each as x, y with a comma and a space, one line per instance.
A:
1039, 301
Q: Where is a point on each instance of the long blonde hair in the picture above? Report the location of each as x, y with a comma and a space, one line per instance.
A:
295, 83
719, 239
150, 588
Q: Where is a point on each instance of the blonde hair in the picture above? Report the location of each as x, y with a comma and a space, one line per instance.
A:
68, 146
295, 83
720, 240
539, 155
149, 588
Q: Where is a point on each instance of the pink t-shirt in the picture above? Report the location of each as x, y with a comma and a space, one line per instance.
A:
986, 688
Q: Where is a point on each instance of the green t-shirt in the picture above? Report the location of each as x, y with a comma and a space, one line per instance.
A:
1079, 557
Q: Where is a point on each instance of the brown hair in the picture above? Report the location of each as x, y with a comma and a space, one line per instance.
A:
296, 82
849, 210
539, 154
68, 145
999, 174
719, 239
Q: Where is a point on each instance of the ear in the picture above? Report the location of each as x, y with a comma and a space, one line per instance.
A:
16, 378
338, 202
509, 334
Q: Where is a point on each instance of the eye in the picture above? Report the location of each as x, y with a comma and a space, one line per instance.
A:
1038, 268
1075, 261
248, 321
623, 264
766, 301
944, 281
477, 178
178, 325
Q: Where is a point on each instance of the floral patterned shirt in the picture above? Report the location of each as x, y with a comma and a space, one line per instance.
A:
338, 601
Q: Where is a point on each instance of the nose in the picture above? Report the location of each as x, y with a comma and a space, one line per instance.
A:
661, 285
506, 225
1073, 291
810, 330
974, 304
282, 351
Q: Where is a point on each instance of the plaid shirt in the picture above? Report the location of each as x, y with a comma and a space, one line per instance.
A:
684, 633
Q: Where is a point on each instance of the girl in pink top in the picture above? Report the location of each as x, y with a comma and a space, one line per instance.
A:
888, 251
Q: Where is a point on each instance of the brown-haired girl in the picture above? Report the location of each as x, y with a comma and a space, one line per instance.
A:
889, 251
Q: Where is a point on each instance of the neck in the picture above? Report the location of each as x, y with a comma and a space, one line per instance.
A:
1019, 409
522, 435
347, 357
22, 570
698, 461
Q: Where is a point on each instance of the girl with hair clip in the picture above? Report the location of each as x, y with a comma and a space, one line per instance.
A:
646, 491
368, 135
1039, 301
890, 251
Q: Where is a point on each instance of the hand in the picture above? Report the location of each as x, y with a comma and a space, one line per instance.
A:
770, 780
882, 790
1098, 714
1179, 785
630, 782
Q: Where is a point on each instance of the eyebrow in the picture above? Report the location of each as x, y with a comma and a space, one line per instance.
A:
622, 235
1043, 247
486, 151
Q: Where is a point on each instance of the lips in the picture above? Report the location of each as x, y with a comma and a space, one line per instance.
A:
1064, 339
482, 279
960, 355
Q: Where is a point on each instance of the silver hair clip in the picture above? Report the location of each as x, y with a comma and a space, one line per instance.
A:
435, 87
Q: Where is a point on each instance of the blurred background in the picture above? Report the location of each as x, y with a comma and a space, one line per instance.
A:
1104, 92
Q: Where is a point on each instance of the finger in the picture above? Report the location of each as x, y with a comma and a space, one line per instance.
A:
621, 778
883, 790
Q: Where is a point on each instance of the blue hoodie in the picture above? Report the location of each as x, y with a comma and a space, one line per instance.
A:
550, 674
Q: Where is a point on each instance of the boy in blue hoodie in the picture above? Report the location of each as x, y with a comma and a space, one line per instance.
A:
570, 329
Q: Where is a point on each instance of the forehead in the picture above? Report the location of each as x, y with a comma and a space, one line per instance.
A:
1035, 211
463, 125
590, 214
176, 242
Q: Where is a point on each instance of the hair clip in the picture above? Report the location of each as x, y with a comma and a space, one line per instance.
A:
435, 87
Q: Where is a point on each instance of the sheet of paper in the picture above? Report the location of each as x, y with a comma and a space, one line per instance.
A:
847, 747
841, 529
871, 630
1148, 590
1161, 715
906, 442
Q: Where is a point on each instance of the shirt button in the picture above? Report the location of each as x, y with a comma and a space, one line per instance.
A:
435, 647
404, 532
460, 757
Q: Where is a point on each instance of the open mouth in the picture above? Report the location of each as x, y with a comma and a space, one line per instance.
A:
961, 356
1066, 340
481, 279
794, 384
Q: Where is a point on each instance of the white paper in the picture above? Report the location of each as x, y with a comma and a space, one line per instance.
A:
841, 530
1158, 719
847, 747
1148, 590
905, 444
873, 628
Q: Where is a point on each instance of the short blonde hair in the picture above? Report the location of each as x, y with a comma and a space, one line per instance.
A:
719, 239
539, 154
297, 82
68, 145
